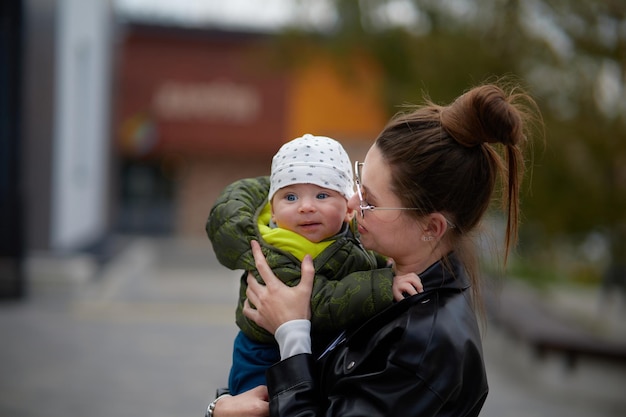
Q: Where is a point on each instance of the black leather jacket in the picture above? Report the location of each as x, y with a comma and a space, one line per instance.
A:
420, 357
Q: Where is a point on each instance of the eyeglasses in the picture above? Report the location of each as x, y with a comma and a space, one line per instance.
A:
363, 206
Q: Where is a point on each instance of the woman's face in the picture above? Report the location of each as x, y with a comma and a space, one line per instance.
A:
393, 233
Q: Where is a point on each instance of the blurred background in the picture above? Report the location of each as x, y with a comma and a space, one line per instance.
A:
122, 120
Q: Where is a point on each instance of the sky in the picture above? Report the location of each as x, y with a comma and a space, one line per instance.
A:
257, 14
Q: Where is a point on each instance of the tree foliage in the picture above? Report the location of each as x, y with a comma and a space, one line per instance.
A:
570, 55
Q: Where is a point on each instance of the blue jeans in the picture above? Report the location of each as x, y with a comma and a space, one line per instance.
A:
250, 360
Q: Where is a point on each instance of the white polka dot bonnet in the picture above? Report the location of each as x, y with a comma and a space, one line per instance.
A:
312, 160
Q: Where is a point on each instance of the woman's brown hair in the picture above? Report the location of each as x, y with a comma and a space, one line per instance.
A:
444, 159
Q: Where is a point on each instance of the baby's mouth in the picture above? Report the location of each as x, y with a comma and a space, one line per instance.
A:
309, 224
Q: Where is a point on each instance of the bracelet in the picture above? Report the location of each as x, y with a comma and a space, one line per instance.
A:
211, 407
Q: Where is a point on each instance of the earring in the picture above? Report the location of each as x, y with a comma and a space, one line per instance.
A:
427, 238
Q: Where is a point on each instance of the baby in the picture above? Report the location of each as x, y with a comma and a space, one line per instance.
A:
302, 208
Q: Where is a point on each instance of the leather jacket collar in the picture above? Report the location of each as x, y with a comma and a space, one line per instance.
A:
445, 275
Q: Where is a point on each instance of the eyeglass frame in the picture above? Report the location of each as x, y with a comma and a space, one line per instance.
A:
363, 207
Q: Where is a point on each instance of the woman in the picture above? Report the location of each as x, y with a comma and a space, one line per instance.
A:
422, 191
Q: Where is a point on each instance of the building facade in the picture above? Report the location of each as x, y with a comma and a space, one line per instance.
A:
112, 127
198, 109
55, 144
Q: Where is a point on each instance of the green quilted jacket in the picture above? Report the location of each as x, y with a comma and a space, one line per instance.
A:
351, 283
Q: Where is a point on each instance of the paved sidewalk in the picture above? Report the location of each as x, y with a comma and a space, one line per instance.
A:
151, 336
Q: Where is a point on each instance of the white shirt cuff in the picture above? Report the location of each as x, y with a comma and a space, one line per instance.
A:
294, 338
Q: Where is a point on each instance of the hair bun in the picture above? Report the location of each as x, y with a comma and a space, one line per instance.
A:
484, 114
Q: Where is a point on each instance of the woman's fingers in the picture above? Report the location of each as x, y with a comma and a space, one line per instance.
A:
252, 403
276, 303
308, 274
254, 289
261, 264
252, 313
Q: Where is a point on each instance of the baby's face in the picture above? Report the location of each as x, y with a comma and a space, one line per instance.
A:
311, 211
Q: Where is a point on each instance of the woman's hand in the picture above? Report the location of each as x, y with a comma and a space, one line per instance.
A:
253, 403
277, 303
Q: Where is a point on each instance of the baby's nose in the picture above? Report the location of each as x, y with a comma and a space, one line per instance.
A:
307, 205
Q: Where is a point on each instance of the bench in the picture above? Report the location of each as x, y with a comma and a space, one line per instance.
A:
526, 318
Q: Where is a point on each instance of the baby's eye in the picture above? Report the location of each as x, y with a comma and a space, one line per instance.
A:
322, 196
291, 197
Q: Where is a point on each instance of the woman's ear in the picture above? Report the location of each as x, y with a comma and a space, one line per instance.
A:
436, 226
